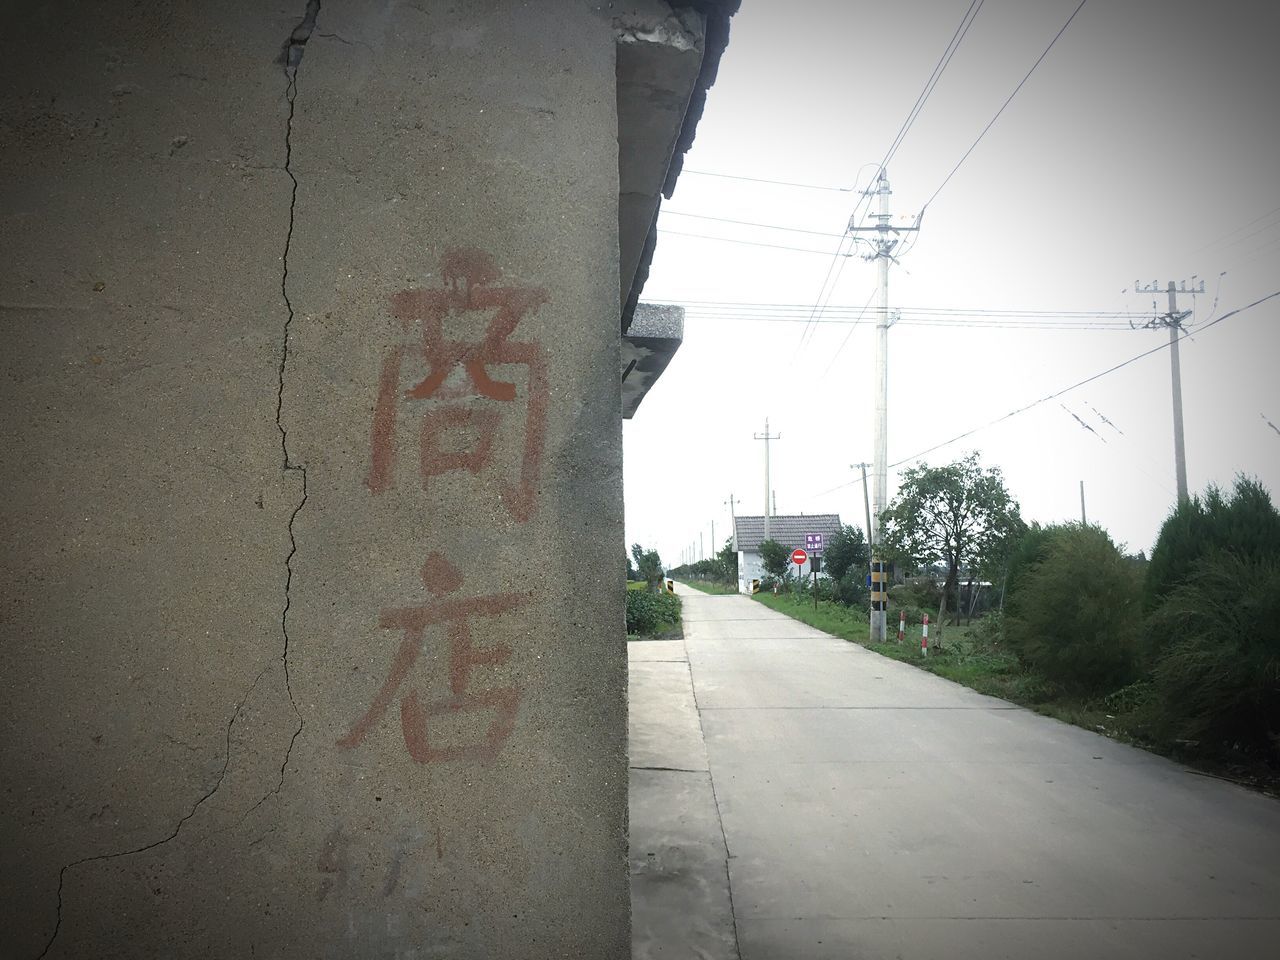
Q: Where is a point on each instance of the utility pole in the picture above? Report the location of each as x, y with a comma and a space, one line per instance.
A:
1173, 320
885, 241
702, 547
733, 517
866, 503
766, 437
775, 503
713, 538
1084, 521
875, 567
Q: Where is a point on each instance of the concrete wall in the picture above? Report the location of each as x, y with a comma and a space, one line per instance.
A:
243, 714
750, 567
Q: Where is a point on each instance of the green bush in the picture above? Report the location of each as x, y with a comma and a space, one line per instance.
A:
1247, 524
851, 589
1219, 677
648, 612
1076, 616
1032, 547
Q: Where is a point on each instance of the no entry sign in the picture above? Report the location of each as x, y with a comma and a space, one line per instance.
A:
798, 557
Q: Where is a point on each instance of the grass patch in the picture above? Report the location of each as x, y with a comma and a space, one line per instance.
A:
711, 586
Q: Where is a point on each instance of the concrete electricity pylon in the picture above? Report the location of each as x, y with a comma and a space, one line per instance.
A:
766, 437
884, 243
733, 521
1173, 320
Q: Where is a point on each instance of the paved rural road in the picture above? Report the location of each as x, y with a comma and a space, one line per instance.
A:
871, 810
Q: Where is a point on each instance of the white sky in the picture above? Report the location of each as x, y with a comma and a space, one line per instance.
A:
1145, 146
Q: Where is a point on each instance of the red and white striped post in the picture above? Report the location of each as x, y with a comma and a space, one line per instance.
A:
924, 637
902, 624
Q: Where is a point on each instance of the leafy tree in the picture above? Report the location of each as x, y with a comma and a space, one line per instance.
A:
1076, 615
648, 565
846, 551
775, 558
632, 573
728, 560
955, 515
1246, 524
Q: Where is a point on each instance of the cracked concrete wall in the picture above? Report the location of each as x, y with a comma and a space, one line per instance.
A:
232, 486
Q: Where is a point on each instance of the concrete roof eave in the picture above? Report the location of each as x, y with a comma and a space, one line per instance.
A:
665, 64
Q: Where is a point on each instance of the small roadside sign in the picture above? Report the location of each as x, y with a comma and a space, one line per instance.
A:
799, 557
813, 542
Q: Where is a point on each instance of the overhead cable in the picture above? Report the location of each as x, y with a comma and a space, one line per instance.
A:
1003, 106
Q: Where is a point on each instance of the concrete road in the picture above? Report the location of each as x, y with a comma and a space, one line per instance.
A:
872, 810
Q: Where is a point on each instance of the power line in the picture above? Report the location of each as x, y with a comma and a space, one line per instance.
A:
748, 243
1003, 106
847, 336
1058, 393
1230, 233
749, 223
962, 29
1064, 390
738, 306
776, 183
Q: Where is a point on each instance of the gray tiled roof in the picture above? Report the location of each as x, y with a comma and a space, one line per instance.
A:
787, 530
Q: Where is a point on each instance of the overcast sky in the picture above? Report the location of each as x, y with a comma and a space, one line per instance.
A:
1146, 147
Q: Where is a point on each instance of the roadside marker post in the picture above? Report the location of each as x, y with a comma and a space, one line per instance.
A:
902, 624
924, 637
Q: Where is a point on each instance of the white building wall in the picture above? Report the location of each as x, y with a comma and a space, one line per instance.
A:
750, 567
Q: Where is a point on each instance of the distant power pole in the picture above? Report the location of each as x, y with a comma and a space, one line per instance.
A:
1173, 320
866, 503
1084, 521
766, 437
883, 246
733, 517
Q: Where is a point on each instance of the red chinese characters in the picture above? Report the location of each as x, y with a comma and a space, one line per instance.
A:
449, 410
457, 615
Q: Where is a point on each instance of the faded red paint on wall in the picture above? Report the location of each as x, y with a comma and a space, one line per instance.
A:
449, 410
501, 703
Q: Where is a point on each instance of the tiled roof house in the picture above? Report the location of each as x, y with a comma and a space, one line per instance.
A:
788, 530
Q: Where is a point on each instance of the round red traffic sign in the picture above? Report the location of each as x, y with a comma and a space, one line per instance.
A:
798, 557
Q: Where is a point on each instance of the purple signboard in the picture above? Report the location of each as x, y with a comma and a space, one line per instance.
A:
813, 543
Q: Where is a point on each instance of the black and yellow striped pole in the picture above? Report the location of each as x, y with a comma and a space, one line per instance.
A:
879, 599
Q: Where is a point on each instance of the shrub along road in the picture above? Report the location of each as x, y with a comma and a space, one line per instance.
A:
873, 809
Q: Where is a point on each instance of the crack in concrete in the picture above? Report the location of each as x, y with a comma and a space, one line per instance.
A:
291, 53
226, 764
291, 56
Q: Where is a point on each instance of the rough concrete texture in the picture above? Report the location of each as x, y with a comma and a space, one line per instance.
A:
680, 902
874, 810
227, 507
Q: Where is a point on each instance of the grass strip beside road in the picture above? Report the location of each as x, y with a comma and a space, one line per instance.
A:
711, 586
